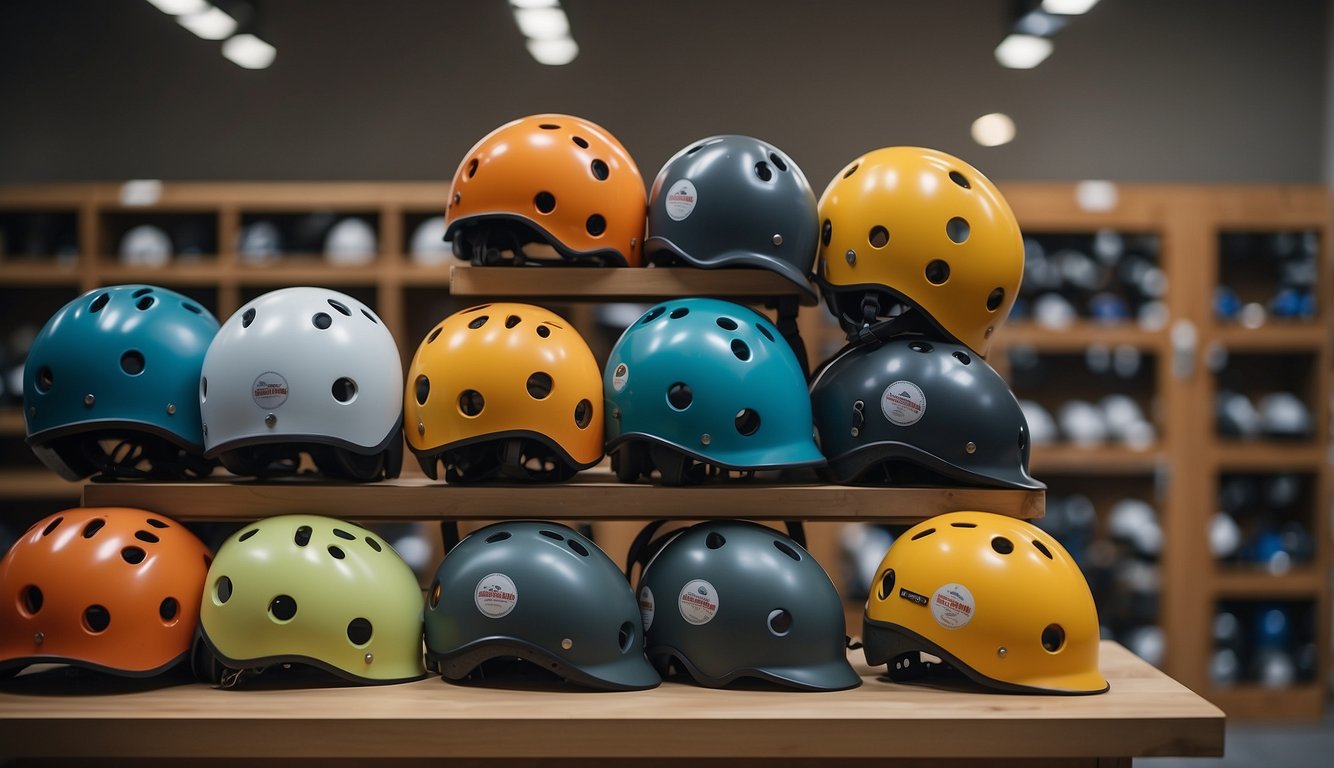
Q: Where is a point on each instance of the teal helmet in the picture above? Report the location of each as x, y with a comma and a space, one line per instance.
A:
119, 363
542, 593
696, 385
730, 599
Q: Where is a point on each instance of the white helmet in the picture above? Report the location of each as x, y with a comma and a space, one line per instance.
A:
350, 242
429, 246
260, 242
145, 246
304, 370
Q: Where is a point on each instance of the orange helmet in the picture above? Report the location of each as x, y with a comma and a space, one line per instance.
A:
906, 225
107, 588
551, 179
504, 389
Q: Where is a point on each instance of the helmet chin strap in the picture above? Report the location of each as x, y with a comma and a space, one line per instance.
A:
163, 459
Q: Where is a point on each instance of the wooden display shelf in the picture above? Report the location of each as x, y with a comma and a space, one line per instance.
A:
41, 272
1276, 455
38, 483
1078, 336
11, 422
592, 496
1252, 702
1144, 713
1070, 459
1273, 336
1254, 582
620, 284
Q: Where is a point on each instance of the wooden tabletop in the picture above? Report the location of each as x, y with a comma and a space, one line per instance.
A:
1144, 713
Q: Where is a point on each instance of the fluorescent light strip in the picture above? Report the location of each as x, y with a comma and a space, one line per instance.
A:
178, 7
547, 29
212, 24
1068, 7
1023, 51
249, 51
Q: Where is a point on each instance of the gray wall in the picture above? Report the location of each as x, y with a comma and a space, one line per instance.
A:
1142, 90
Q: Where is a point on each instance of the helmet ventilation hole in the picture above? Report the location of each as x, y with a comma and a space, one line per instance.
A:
583, 414
765, 332
475, 323
780, 621
373, 544
337, 553
851, 170
548, 126
625, 638
826, 232
512, 321
960, 179
90, 530
545, 202
423, 389
247, 317
344, 390
1053, 638
142, 292
579, 549
957, 229
747, 422
222, 591
740, 349
886, 584
581, 141
471, 402
600, 170
726, 323
543, 331
369, 316
596, 225
203, 388
1043, 549
302, 537
472, 168
679, 313
282, 608
921, 346
923, 534
146, 537
133, 555
156, 523
497, 536
763, 171
652, 314
995, 299
937, 272
434, 599
540, 385
96, 619
552, 535
777, 161
342, 534
44, 379
99, 302
247, 534
146, 302
962, 357
1002, 545
31, 599
132, 362
694, 149
782, 546
168, 610
322, 320
879, 237
715, 540
188, 307
341, 307
437, 331
679, 396
963, 525
359, 631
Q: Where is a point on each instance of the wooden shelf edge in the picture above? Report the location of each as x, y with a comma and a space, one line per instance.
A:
1077, 337
1069, 459
38, 483
1239, 581
1309, 336
1239, 455
1305, 701
623, 283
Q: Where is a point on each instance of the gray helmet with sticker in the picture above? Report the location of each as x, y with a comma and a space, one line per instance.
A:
909, 411
540, 592
732, 599
734, 201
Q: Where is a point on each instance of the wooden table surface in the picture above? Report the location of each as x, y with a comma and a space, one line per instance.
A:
1144, 713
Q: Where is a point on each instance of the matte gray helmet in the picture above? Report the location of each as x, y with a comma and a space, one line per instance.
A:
732, 599
734, 201
539, 592
912, 411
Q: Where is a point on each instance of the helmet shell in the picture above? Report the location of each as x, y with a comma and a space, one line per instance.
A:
539, 591
108, 588
996, 597
925, 228
933, 404
554, 179
314, 590
733, 599
734, 201
122, 359
713, 380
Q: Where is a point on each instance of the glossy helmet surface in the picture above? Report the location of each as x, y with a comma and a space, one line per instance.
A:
106, 588
540, 592
994, 597
908, 411
734, 201
504, 390
732, 599
555, 180
709, 381
119, 363
304, 369
314, 590
914, 226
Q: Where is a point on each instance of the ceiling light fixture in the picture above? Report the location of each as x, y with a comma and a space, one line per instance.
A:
210, 24
1023, 51
1068, 7
993, 130
547, 29
178, 7
249, 51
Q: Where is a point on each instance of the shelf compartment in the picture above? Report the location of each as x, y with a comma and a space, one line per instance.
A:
619, 283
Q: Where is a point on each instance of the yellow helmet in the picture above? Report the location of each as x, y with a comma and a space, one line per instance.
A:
917, 226
996, 598
506, 390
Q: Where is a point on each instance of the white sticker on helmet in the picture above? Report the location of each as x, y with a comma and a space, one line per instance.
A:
903, 403
646, 606
620, 376
496, 595
681, 200
269, 390
953, 606
698, 602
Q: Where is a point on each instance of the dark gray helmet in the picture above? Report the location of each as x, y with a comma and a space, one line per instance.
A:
911, 411
734, 201
732, 599
539, 592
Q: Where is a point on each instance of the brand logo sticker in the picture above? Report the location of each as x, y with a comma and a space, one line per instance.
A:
269, 390
953, 606
903, 403
698, 602
496, 595
681, 200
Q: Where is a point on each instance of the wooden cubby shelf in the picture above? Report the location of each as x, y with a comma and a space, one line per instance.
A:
619, 284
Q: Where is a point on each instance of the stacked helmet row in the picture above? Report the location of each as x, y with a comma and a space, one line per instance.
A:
135, 593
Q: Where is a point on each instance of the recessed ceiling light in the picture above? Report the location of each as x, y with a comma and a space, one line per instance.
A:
554, 52
993, 130
249, 51
1068, 7
211, 24
542, 23
1023, 51
177, 7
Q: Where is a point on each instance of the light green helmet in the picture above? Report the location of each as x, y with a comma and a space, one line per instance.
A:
318, 591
